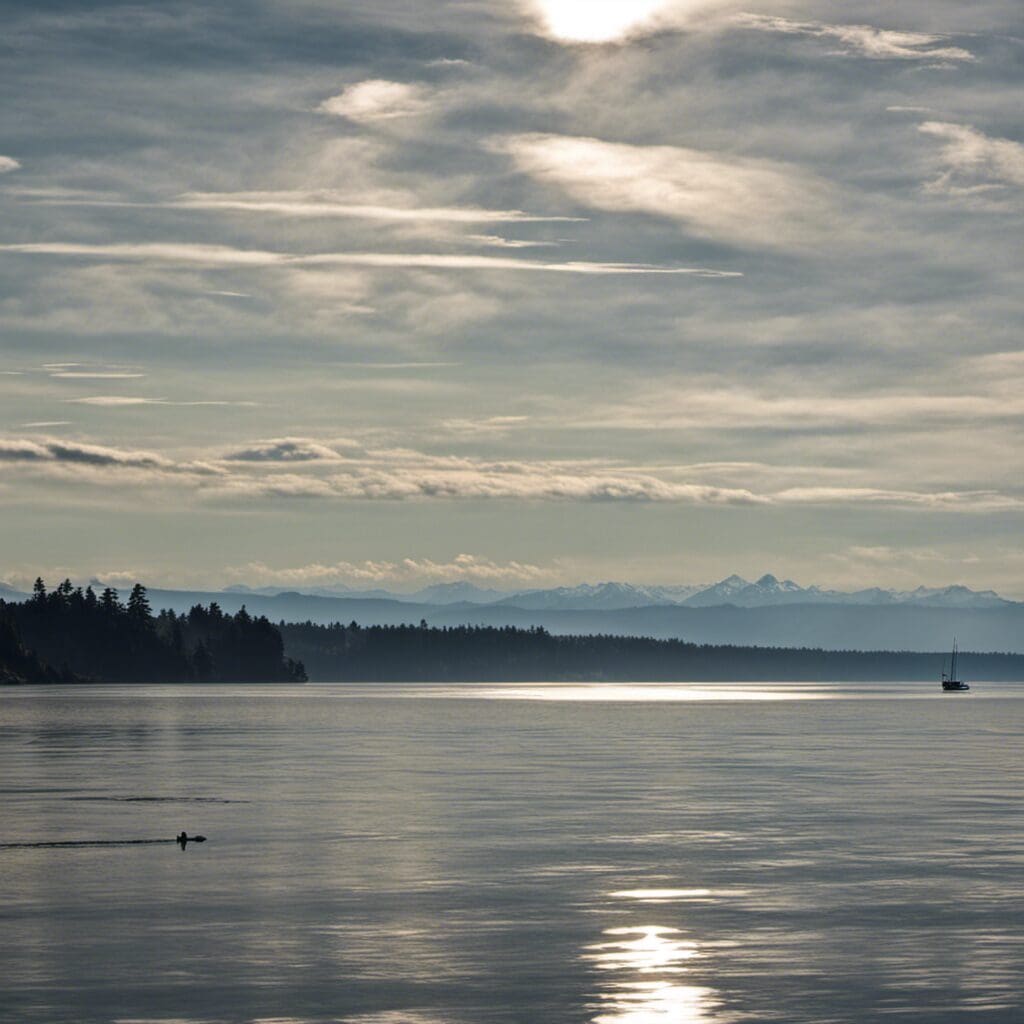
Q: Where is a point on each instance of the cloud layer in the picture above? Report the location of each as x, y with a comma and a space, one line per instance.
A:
662, 284
303, 468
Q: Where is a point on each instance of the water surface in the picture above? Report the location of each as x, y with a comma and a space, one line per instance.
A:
656, 854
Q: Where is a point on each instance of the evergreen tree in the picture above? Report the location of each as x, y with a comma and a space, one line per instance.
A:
139, 610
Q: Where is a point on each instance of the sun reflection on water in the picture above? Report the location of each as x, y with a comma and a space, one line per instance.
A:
646, 961
648, 692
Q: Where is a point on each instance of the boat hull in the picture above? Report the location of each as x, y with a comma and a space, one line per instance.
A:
954, 686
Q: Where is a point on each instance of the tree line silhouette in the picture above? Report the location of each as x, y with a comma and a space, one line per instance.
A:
73, 634
422, 653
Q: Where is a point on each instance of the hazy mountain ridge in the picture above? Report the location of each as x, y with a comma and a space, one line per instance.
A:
769, 590
613, 596
735, 590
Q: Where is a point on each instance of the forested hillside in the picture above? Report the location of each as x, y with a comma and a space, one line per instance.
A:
74, 634
488, 654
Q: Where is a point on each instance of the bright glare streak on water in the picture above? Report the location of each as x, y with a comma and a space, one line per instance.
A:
648, 693
651, 854
633, 997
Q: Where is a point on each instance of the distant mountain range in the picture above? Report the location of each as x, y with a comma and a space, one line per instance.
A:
733, 590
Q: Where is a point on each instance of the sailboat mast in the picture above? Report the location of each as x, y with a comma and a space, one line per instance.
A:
953, 674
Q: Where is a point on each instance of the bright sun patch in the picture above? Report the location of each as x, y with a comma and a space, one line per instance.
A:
595, 21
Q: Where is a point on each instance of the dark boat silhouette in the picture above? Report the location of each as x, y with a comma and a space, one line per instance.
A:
950, 682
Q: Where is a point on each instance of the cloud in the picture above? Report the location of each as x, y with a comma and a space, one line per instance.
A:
418, 365
864, 40
165, 252
883, 554
333, 204
114, 401
464, 567
738, 200
487, 426
287, 449
94, 375
510, 243
225, 256
975, 162
510, 482
706, 406
378, 100
51, 450
978, 501
8, 163
118, 401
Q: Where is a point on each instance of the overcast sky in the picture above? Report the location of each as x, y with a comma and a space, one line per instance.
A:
385, 292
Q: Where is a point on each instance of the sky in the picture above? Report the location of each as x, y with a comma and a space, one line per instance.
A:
519, 292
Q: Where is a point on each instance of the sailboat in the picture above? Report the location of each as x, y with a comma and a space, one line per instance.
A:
950, 682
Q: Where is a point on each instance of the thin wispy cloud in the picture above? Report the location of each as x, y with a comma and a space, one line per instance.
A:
95, 375
487, 425
377, 100
333, 204
974, 162
711, 407
411, 365
8, 163
226, 256
864, 40
738, 200
510, 243
125, 401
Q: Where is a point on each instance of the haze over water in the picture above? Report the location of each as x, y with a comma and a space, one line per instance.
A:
461, 855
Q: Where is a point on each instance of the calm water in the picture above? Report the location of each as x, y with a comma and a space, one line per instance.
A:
426, 855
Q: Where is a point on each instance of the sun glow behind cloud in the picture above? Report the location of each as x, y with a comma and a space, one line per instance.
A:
596, 21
